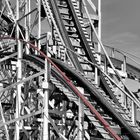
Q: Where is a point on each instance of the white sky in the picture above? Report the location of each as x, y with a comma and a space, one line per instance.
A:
121, 24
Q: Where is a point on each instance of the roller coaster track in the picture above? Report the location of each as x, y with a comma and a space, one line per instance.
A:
97, 92
77, 32
102, 110
119, 113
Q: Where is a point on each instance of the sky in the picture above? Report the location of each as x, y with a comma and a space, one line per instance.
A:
121, 24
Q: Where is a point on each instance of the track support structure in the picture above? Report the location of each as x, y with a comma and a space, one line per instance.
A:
46, 95
19, 76
81, 116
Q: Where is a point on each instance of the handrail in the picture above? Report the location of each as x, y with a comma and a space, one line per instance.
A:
77, 92
127, 56
120, 51
124, 54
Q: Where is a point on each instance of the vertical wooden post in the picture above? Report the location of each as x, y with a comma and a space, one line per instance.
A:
19, 76
46, 96
81, 116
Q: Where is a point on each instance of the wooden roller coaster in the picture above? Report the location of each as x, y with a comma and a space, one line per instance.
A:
58, 81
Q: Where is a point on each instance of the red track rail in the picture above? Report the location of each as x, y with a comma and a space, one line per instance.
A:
85, 101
